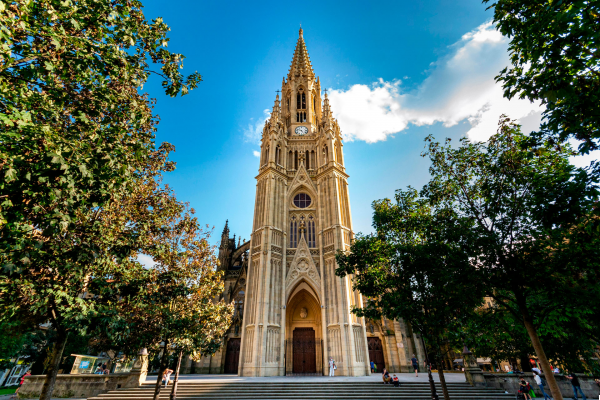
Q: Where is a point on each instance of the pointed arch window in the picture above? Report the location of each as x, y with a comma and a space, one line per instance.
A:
293, 233
298, 102
278, 155
290, 160
307, 158
312, 242
296, 159
303, 100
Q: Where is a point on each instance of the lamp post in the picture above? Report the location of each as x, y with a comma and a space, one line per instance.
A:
434, 395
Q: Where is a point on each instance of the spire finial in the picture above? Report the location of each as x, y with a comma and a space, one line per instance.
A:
301, 31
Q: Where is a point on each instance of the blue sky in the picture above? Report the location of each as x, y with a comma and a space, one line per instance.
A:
398, 70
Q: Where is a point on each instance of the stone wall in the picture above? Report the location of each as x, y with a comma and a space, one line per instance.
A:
84, 385
510, 383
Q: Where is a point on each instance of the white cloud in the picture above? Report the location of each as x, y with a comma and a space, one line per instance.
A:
253, 132
146, 260
459, 87
256, 153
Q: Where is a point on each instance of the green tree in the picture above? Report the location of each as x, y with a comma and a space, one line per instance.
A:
535, 224
555, 59
417, 268
564, 329
77, 139
173, 306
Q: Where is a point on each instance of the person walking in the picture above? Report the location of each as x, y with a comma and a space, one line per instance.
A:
540, 382
332, 367
415, 364
576, 385
524, 388
21, 381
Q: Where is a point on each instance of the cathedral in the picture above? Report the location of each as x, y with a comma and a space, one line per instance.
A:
292, 313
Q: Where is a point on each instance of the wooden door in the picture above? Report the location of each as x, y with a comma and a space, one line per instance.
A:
232, 356
304, 351
376, 353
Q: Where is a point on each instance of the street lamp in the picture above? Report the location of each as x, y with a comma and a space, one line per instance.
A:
434, 395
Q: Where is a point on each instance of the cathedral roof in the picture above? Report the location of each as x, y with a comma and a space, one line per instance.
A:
301, 62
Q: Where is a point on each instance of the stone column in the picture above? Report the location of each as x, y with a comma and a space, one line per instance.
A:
138, 373
473, 373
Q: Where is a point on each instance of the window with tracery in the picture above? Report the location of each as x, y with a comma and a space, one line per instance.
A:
312, 241
294, 233
302, 200
239, 304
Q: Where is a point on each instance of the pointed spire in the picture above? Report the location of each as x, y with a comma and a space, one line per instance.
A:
301, 62
276, 107
326, 108
226, 229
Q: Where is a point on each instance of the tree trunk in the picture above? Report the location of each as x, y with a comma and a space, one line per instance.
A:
539, 351
52, 371
174, 390
443, 379
161, 370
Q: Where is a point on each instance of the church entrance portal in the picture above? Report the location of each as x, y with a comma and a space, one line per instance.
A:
304, 351
232, 356
304, 339
376, 353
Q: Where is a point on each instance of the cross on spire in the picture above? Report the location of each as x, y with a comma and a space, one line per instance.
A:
278, 91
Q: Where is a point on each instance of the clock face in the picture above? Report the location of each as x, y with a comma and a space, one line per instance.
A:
301, 130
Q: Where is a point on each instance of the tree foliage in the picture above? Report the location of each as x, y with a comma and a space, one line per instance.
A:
535, 224
173, 306
417, 268
555, 59
76, 151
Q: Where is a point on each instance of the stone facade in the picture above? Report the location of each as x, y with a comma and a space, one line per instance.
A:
292, 311
297, 312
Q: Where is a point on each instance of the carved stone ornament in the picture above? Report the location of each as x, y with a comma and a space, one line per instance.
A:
303, 313
303, 268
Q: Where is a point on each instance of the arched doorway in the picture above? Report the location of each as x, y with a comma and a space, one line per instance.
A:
304, 345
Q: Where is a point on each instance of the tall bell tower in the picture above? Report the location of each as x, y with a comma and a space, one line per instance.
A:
297, 312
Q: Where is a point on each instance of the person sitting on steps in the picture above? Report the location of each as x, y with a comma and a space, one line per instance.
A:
386, 376
396, 381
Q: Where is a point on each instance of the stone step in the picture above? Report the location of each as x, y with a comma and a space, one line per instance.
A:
305, 390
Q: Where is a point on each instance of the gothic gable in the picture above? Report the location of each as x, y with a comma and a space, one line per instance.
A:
303, 268
302, 179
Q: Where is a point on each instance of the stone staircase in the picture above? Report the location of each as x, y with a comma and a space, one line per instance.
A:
318, 390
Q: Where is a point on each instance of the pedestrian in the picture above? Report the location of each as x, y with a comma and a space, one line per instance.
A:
372, 367
26, 374
396, 381
540, 382
332, 367
167, 376
524, 388
576, 385
386, 376
415, 364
